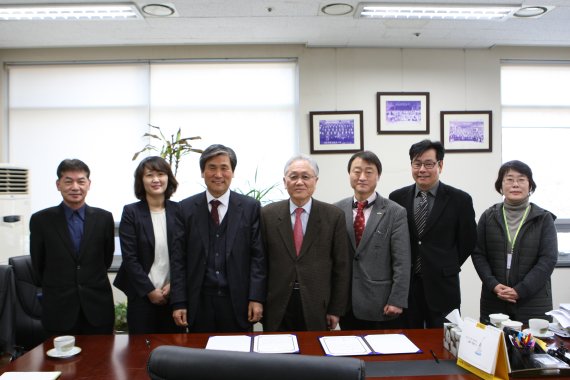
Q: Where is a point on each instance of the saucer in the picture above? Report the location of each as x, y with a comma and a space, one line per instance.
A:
548, 334
54, 354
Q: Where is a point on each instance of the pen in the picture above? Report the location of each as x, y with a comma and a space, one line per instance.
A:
434, 357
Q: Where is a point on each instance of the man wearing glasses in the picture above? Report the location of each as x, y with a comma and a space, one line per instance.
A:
307, 255
441, 222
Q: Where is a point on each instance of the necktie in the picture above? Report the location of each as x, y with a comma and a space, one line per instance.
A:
420, 218
214, 213
298, 230
359, 221
76, 228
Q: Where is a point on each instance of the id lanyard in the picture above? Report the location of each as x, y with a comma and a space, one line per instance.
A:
512, 241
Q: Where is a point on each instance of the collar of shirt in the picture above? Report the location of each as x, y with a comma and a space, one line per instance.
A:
224, 202
432, 191
371, 199
68, 211
307, 207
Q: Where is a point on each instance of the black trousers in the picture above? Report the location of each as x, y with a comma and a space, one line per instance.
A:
83, 327
419, 314
216, 314
293, 319
144, 317
350, 322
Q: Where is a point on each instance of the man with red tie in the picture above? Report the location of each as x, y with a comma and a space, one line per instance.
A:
379, 246
307, 255
218, 280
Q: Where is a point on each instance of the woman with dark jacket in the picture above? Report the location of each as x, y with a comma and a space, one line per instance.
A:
149, 233
516, 249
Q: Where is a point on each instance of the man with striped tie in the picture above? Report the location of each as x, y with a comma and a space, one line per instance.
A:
443, 233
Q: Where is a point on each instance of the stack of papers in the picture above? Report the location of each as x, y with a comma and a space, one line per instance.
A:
275, 343
376, 344
562, 315
30, 375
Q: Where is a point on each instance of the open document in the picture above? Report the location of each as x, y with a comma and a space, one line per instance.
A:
375, 344
274, 343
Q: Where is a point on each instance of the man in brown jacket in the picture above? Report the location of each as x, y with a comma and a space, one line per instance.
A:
307, 253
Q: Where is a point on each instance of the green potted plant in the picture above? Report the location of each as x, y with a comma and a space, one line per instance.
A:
172, 149
259, 194
121, 326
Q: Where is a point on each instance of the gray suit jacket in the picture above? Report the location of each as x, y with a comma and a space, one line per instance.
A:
322, 267
381, 263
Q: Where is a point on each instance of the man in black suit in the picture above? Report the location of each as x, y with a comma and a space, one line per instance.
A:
442, 227
72, 246
218, 283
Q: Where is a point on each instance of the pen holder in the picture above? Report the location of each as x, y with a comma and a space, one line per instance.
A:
525, 351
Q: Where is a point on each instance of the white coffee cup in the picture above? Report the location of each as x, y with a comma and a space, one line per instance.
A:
538, 326
515, 325
63, 343
498, 318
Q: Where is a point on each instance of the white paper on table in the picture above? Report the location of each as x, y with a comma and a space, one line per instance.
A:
565, 306
344, 345
562, 316
391, 344
241, 343
277, 343
30, 375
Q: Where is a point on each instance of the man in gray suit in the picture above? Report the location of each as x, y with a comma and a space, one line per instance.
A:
307, 255
379, 244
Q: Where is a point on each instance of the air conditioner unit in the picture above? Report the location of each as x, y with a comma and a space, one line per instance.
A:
15, 212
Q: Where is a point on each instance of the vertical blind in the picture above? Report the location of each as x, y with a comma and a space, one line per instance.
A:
536, 126
98, 112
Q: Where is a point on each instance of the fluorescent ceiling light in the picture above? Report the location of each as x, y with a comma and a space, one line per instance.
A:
100, 11
436, 11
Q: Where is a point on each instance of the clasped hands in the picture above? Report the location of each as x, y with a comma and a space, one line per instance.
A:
506, 293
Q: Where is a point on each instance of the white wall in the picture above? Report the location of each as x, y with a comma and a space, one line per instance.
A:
348, 79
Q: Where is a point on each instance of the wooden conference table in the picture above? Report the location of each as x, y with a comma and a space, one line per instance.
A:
124, 357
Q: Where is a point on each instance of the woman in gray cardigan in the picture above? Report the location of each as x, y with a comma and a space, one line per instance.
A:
516, 249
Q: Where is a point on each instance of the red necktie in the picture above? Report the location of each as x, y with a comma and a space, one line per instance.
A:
298, 230
359, 221
214, 213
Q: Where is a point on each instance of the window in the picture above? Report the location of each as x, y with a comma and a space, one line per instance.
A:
536, 130
98, 112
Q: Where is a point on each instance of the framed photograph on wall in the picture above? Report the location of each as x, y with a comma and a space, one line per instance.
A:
336, 131
467, 131
402, 112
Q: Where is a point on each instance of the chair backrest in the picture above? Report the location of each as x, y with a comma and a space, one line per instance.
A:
29, 328
173, 363
7, 334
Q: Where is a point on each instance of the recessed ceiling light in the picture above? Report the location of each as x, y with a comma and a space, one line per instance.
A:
414, 11
77, 12
337, 9
530, 12
158, 10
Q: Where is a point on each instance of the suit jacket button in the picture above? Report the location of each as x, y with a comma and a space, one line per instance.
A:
78, 267
420, 242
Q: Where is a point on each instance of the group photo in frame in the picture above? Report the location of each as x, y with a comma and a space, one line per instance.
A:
467, 131
336, 131
402, 112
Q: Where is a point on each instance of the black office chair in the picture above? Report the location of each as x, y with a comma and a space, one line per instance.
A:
7, 336
183, 363
28, 310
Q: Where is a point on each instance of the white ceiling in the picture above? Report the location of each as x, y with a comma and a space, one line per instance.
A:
210, 22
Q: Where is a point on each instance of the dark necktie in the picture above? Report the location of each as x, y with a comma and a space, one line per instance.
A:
214, 213
76, 229
298, 230
420, 218
359, 221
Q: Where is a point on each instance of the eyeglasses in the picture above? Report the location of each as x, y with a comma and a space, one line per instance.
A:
304, 177
426, 164
511, 181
